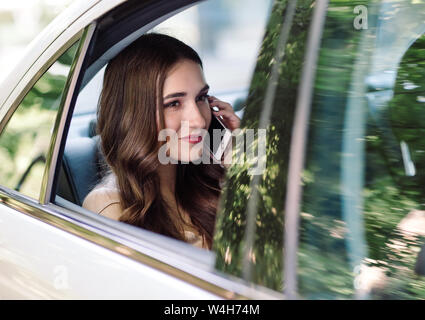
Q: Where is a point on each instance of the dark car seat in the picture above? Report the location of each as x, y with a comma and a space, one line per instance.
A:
81, 169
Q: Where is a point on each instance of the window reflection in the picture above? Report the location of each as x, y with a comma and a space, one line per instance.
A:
260, 259
362, 218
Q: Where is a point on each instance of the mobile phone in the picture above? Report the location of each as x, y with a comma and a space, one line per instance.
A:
220, 137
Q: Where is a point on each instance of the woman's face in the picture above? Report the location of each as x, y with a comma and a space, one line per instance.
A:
186, 110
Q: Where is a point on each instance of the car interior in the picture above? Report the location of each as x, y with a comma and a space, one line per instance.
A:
82, 165
82, 161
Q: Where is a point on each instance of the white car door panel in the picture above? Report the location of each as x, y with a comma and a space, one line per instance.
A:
41, 261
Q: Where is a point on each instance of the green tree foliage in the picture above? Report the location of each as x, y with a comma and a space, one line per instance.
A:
389, 195
266, 256
26, 137
324, 270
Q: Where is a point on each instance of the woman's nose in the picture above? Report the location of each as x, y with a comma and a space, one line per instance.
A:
194, 116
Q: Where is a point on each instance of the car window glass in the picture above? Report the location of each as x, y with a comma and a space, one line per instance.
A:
362, 219
25, 139
249, 232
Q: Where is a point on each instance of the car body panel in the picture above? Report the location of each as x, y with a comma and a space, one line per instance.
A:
80, 269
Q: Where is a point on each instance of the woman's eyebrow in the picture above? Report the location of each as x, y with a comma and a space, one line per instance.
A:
182, 94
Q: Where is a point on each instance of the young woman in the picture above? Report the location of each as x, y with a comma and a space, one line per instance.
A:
158, 83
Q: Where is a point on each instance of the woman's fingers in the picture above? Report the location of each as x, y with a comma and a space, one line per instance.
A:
230, 119
226, 114
220, 104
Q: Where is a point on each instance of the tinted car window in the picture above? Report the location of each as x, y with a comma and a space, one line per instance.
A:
249, 232
25, 140
362, 218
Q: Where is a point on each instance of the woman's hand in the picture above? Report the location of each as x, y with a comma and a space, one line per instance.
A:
230, 119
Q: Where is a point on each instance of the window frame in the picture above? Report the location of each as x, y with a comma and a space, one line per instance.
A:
58, 130
297, 151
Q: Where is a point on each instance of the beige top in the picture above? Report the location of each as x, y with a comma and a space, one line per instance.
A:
105, 201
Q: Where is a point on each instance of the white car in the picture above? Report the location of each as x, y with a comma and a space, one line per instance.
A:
335, 210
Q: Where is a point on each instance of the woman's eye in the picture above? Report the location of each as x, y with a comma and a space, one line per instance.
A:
172, 104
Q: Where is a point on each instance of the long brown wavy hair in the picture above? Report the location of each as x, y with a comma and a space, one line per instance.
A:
132, 91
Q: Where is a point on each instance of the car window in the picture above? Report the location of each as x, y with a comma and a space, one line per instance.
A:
250, 227
234, 31
25, 140
362, 217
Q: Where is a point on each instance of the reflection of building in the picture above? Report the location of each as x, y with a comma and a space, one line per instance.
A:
20, 22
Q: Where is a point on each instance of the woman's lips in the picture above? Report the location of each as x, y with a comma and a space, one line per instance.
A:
192, 139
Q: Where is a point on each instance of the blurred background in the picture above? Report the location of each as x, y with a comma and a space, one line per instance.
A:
20, 22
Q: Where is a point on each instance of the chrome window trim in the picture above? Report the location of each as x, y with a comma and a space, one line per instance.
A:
68, 92
297, 149
113, 239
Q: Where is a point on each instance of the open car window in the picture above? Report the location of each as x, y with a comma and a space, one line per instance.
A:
240, 34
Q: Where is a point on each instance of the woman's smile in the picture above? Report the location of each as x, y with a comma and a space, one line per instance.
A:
192, 139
